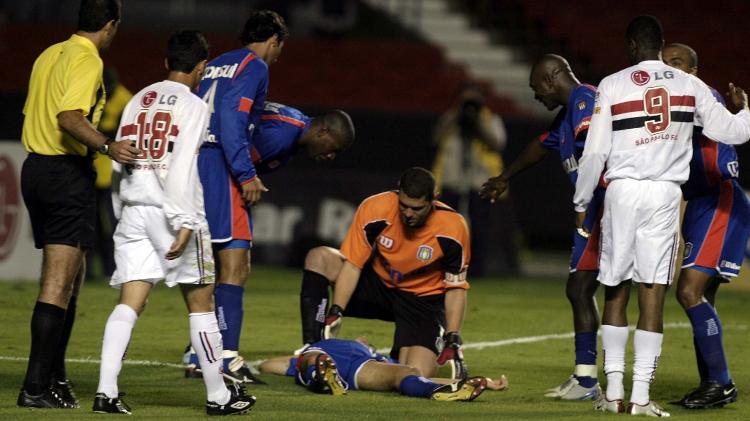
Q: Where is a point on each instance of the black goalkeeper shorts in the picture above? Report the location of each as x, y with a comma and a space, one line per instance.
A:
419, 320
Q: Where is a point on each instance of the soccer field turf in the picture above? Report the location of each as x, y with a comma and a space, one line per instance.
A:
533, 311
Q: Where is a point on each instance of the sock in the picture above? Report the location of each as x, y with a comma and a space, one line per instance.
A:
586, 358
47, 323
58, 365
614, 341
307, 377
707, 334
117, 333
702, 368
206, 340
312, 305
417, 387
647, 347
229, 312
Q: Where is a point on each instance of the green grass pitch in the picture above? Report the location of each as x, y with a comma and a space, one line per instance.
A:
499, 309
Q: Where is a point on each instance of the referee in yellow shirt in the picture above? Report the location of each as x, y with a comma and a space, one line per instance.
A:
62, 110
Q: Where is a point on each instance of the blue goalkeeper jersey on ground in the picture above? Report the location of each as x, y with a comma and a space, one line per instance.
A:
567, 134
235, 86
275, 141
712, 162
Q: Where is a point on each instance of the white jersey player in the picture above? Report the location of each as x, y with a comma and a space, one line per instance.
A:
642, 130
162, 231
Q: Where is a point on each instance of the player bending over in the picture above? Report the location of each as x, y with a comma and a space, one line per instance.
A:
162, 231
282, 132
334, 366
404, 260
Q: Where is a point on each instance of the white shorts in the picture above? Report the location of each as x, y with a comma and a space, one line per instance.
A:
640, 232
142, 239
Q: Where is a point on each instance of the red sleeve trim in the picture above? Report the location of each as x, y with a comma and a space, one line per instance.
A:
249, 180
245, 105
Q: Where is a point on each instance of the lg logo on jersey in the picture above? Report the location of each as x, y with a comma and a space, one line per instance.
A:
640, 78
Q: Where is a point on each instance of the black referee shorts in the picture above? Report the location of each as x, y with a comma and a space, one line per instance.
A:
60, 196
419, 320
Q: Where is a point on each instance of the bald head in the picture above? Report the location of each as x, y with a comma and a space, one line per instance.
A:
550, 64
552, 80
681, 56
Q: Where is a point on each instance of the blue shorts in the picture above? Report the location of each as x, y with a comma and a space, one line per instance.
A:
228, 217
716, 228
349, 356
585, 254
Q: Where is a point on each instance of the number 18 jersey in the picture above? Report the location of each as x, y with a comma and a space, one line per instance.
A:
167, 122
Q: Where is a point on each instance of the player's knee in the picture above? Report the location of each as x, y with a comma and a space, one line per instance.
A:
322, 260
688, 297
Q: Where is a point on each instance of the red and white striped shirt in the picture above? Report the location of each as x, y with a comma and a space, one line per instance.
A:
642, 127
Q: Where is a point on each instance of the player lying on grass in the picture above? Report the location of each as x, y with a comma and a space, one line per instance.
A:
334, 366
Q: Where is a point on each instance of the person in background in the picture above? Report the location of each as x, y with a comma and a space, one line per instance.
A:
469, 138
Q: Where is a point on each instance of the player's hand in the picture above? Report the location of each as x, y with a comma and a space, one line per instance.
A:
251, 191
497, 384
493, 188
123, 152
451, 351
179, 244
580, 219
333, 321
737, 97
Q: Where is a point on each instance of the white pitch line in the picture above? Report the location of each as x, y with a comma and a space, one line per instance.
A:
475, 345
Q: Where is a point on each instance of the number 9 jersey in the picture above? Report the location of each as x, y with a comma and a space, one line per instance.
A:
642, 126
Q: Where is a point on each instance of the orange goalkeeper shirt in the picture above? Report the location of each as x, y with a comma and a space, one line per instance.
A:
425, 261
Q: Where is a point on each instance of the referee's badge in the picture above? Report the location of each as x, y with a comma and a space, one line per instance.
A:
424, 253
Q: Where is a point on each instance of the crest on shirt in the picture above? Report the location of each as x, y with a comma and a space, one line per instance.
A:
581, 105
639, 77
386, 242
688, 250
148, 99
424, 253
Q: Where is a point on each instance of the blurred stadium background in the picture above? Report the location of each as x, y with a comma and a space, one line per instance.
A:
395, 65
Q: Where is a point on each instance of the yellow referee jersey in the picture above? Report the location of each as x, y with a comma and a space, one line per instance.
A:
66, 76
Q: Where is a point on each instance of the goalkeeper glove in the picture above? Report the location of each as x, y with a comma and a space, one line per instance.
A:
450, 350
333, 322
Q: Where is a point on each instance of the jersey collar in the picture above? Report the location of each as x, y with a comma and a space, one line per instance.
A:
85, 42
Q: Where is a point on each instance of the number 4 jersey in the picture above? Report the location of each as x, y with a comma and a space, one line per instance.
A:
167, 122
642, 126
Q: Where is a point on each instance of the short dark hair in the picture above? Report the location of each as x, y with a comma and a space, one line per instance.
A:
340, 126
263, 24
417, 183
646, 31
185, 50
94, 14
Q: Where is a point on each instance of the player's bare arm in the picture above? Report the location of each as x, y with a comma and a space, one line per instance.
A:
495, 186
346, 283
179, 244
83, 131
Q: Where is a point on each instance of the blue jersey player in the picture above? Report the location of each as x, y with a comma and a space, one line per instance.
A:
555, 85
235, 85
334, 366
716, 227
281, 133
